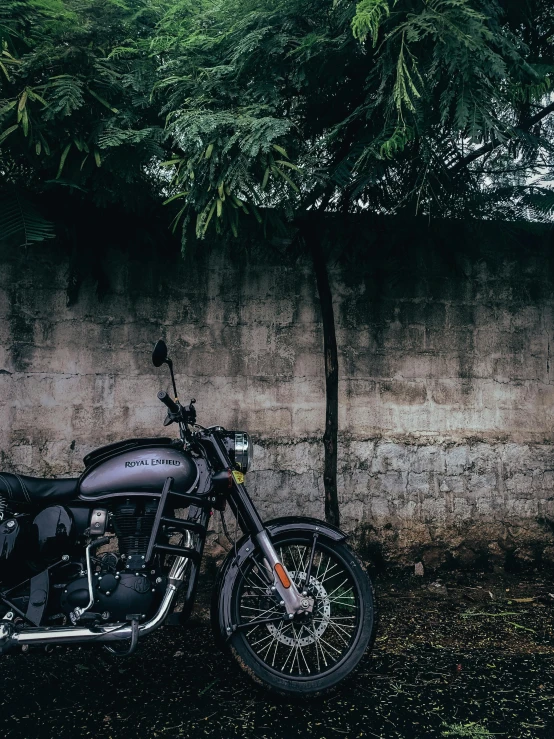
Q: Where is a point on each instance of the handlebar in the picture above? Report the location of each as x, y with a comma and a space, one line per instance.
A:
168, 402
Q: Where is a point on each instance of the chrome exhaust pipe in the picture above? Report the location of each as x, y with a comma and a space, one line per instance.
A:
99, 634
10, 638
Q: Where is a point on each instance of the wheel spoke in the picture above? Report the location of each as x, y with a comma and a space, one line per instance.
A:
335, 590
260, 610
317, 650
296, 650
271, 643
342, 605
276, 643
340, 636
322, 579
322, 640
287, 659
264, 585
267, 636
302, 651
318, 566
301, 556
329, 576
295, 566
333, 621
323, 650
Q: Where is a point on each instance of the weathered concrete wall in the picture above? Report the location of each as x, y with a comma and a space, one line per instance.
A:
446, 396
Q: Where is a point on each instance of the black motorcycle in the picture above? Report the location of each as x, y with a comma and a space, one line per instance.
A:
292, 602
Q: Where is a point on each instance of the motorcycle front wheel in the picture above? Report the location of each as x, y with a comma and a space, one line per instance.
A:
312, 653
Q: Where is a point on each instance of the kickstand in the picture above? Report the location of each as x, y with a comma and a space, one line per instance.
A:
134, 639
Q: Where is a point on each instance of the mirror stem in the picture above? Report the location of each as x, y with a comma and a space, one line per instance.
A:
170, 365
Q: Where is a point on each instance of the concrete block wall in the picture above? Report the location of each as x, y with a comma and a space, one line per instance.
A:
446, 398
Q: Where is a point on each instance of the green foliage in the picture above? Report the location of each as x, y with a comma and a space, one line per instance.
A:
64, 95
368, 18
73, 117
471, 730
377, 104
20, 221
265, 109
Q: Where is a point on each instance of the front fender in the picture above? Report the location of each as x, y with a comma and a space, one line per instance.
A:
302, 523
237, 557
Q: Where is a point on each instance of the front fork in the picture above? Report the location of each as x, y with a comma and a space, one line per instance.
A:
295, 602
250, 521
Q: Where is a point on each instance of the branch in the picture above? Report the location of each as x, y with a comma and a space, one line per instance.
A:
486, 148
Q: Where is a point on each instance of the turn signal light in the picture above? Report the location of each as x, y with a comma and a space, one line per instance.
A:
282, 575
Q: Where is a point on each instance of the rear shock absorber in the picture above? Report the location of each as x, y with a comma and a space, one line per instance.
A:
3, 507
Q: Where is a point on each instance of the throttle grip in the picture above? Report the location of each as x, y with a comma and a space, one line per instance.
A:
168, 402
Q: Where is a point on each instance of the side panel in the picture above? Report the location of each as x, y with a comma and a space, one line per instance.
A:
53, 533
140, 471
30, 542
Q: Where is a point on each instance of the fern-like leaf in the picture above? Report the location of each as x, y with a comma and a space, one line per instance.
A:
64, 95
368, 18
20, 220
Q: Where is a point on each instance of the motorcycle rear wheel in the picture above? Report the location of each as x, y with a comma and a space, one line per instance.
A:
309, 655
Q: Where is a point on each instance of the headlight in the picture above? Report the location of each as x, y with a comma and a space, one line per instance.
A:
243, 451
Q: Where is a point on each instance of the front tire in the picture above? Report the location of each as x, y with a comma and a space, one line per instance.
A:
312, 654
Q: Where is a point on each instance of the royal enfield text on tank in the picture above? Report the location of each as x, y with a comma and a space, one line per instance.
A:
292, 602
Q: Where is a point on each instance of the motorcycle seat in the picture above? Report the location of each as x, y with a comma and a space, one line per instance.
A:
23, 489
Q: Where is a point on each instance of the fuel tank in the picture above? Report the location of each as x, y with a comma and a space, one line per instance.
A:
142, 469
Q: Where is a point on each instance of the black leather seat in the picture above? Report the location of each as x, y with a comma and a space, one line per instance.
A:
23, 489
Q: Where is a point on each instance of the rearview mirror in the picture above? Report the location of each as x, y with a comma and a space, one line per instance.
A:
159, 355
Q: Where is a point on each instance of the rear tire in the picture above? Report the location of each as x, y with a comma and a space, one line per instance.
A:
312, 655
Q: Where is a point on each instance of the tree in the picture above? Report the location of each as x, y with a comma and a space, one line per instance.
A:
277, 110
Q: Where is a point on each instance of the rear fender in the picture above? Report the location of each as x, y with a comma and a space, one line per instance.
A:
223, 588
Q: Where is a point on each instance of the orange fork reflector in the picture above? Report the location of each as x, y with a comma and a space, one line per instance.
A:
282, 575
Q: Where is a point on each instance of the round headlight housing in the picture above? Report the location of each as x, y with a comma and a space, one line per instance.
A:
243, 451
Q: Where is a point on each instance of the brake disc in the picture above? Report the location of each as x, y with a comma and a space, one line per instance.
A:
306, 633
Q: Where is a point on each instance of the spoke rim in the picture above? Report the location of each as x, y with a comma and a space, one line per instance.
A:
302, 649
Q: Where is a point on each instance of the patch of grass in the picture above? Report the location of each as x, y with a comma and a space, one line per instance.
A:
468, 731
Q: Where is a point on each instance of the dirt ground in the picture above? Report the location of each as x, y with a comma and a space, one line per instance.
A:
468, 655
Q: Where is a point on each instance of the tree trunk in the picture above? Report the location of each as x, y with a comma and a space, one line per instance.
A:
330, 438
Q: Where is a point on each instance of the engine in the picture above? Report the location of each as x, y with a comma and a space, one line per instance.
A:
118, 595
122, 585
133, 521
